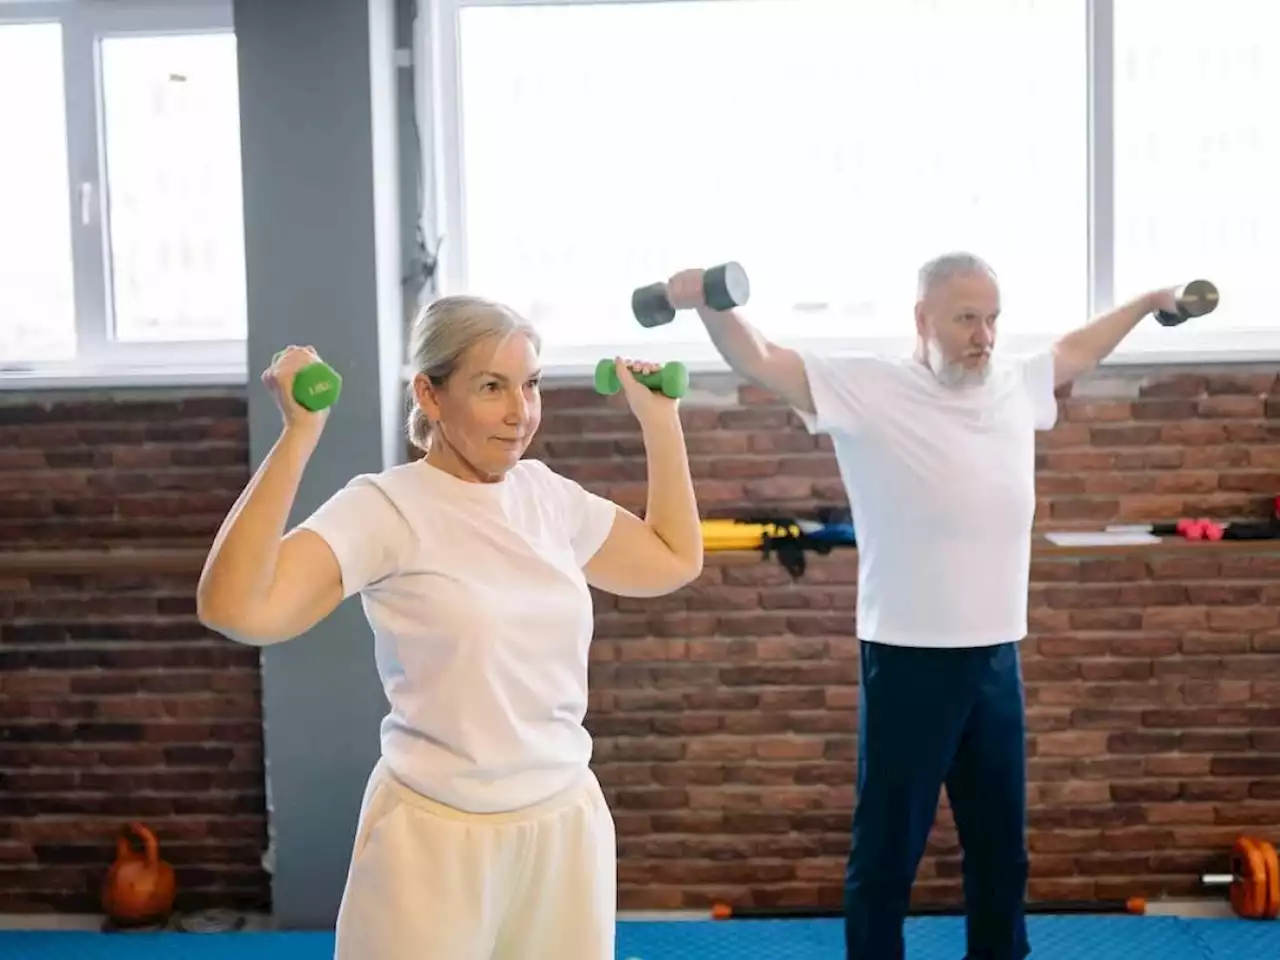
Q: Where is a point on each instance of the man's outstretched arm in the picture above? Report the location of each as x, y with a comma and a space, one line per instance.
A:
780, 370
1080, 351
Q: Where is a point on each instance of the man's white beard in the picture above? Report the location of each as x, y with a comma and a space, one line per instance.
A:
954, 374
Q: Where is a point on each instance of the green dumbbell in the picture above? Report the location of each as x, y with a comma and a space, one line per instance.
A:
672, 379
316, 386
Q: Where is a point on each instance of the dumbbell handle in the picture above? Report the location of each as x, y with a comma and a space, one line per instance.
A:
651, 379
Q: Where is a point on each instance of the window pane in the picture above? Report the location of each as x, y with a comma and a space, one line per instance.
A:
830, 145
171, 106
1197, 150
37, 286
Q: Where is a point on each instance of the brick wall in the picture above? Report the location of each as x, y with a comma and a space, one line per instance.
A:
725, 715
116, 705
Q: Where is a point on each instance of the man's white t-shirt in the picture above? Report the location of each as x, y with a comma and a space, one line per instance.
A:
481, 618
941, 483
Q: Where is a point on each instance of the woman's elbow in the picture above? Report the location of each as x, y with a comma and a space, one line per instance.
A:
233, 621
680, 573
691, 569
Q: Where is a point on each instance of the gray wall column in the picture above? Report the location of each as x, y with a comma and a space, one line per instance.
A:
319, 118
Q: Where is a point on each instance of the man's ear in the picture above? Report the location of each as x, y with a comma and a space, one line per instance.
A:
921, 321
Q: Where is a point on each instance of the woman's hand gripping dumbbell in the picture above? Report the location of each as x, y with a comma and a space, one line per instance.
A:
669, 379
298, 374
652, 390
722, 287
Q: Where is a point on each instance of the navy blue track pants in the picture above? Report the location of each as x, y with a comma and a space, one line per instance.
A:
934, 718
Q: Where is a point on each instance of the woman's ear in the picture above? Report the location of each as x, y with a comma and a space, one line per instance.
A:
428, 396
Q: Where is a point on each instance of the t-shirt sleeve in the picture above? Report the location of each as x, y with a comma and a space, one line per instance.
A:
1037, 373
367, 534
842, 388
587, 517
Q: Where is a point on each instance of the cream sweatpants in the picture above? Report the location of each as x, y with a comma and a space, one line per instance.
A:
428, 882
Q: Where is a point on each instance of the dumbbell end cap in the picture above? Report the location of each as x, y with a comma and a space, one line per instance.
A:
317, 386
675, 379
1198, 298
606, 378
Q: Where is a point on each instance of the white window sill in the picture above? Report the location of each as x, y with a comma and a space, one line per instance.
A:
108, 377
1179, 347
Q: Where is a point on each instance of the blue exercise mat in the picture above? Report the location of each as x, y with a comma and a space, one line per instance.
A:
928, 938
1237, 939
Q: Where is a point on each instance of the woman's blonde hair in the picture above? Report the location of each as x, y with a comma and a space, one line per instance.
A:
443, 332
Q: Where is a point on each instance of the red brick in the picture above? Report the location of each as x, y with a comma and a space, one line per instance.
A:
1232, 407
1064, 435
1124, 436
1079, 743
1077, 461
1250, 619
1149, 458
1091, 411
776, 443
1164, 409
1265, 482
1263, 458
1175, 385
1214, 458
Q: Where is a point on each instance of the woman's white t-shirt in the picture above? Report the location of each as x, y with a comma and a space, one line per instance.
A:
481, 619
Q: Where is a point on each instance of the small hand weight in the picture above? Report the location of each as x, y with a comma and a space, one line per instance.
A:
672, 379
1194, 300
315, 386
724, 287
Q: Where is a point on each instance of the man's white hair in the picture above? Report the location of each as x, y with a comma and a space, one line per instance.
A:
957, 263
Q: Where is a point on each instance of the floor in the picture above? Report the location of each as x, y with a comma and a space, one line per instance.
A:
1182, 931
1190, 909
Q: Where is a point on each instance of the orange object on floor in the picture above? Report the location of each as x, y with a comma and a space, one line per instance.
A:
140, 887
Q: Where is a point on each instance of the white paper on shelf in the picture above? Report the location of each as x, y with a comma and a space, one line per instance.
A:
1101, 538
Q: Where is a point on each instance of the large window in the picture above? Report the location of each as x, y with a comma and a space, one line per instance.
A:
37, 285
1197, 150
1090, 150
121, 241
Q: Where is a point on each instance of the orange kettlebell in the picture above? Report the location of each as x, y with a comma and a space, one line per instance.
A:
139, 887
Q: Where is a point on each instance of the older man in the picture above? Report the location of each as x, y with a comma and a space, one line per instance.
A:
937, 453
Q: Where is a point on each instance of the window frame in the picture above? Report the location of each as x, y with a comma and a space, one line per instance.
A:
443, 168
101, 359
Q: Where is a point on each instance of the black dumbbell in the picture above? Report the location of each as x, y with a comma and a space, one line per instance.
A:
724, 287
1194, 300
